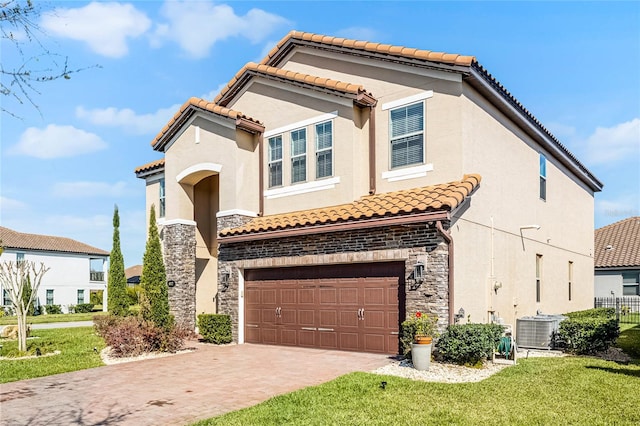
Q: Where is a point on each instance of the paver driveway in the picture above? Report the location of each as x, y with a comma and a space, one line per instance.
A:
175, 390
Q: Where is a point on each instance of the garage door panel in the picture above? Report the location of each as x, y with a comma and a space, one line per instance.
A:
375, 343
307, 295
374, 319
349, 341
252, 316
374, 297
348, 296
328, 296
252, 334
268, 296
288, 316
328, 339
307, 338
269, 335
306, 317
288, 337
268, 316
288, 296
328, 318
349, 318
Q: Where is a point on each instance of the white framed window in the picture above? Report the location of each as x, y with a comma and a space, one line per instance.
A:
543, 177
19, 258
570, 279
275, 161
161, 195
80, 296
406, 131
298, 155
49, 296
538, 277
6, 300
324, 149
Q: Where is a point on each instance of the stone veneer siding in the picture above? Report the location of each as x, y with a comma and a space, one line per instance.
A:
408, 243
180, 262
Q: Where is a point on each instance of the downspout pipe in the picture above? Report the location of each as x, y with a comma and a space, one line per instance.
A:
447, 237
372, 149
261, 174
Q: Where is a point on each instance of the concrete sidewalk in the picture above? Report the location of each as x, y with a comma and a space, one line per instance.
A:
175, 390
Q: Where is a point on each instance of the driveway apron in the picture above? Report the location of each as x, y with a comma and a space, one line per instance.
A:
175, 390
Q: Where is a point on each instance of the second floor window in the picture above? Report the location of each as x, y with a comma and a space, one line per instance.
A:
407, 135
543, 177
298, 156
19, 258
538, 277
275, 161
162, 209
324, 149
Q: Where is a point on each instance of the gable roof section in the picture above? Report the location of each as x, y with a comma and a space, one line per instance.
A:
358, 47
194, 105
326, 85
618, 245
150, 168
18, 240
409, 204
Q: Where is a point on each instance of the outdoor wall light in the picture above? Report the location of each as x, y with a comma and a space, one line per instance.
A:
418, 275
459, 315
224, 280
171, 283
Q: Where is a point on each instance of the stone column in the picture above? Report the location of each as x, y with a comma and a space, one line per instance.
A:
180, 261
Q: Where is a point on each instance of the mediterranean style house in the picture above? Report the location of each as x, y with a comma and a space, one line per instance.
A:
339, 186
617, 259
75, 269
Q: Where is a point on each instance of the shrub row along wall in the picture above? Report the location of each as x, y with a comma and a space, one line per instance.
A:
587, 332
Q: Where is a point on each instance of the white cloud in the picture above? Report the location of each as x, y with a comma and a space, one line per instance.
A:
85, 189
610, 144
11, 204
57, 141
105, 27
197, 26
619, 207
212, 94
128, 119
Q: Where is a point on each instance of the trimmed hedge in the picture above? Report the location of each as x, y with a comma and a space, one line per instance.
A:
469, 344
82, 308
53, 309
587, 332
215, 328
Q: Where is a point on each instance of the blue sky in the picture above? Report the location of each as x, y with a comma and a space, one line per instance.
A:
63, 166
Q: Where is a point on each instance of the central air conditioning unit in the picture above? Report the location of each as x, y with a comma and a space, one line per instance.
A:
536, 332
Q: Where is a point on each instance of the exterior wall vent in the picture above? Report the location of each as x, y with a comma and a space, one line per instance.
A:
536, 332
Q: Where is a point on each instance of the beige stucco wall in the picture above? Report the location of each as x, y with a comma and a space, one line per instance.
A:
508, 162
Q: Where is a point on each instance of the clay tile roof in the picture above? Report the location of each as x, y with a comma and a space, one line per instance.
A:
365, 46
154, 165
433, 198
21, 241
618, 244
252, 69
188, 108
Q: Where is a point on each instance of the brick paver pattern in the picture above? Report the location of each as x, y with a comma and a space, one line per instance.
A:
175, 390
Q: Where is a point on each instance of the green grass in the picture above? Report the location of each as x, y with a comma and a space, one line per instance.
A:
629, 340
76, 347
41, 319
538, 391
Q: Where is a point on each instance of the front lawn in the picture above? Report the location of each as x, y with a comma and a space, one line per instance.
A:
542, 391
75, 344
41, 319
629, 340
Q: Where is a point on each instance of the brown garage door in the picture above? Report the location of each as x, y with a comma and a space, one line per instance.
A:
357, 313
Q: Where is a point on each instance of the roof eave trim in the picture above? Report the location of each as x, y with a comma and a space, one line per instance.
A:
335, 227
540, 134
143, 174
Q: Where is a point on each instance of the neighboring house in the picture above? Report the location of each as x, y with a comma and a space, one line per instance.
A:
75, 269
133, 274
617, 259
339, 185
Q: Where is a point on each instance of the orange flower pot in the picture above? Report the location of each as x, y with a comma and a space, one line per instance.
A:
423, 340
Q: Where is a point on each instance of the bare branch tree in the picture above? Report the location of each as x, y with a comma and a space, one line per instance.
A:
14, 277
19, 81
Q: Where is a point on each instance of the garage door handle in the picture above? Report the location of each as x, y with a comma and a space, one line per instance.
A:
361, 314
252, 325
325, 329
309, 328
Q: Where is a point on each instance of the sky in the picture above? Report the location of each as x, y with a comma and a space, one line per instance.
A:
67, 161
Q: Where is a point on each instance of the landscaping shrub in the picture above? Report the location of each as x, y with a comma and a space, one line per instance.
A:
215, 328
52, 309
132, 336
82, 308
469, 344
587, 332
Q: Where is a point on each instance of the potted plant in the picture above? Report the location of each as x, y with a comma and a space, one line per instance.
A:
418, 332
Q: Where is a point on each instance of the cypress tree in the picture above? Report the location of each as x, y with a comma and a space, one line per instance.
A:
155, 294
117, 302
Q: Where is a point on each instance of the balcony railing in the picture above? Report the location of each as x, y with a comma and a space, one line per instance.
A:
96, 276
